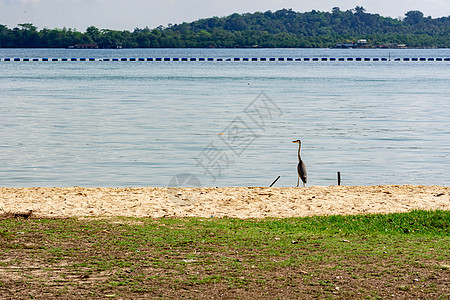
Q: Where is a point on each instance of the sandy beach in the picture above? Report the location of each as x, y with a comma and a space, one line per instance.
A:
235, 202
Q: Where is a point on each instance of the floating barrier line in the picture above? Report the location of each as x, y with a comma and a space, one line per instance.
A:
234, 59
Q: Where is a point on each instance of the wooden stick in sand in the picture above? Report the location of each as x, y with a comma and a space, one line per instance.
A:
275, 181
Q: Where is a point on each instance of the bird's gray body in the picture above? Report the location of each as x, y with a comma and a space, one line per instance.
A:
301, 167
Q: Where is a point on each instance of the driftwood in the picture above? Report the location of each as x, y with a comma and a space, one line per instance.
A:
17, 215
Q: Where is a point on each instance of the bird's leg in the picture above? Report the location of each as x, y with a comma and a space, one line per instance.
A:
298, 180
304, 184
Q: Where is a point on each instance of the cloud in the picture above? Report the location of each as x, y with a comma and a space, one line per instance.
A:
20, 2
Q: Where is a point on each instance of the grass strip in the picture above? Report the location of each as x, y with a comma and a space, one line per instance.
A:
404, 255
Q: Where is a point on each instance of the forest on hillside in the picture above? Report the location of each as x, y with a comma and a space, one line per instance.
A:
283, 28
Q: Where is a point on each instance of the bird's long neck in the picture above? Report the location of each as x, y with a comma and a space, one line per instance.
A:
299, 158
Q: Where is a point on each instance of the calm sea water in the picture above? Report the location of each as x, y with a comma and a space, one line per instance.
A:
161, 124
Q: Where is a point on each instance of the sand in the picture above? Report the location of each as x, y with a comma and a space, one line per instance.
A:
234, 202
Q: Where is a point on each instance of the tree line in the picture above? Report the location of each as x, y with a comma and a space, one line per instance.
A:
282, 28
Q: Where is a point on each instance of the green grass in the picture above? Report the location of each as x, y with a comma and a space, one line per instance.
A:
366, 256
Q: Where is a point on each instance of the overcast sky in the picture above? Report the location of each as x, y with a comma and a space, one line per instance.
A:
123, 14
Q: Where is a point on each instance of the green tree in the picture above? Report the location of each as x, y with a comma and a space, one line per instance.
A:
93, 33
414, 17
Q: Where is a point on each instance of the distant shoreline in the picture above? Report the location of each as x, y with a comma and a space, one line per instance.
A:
247, 48
282, 28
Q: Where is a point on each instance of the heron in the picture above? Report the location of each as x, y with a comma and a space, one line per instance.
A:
301, 167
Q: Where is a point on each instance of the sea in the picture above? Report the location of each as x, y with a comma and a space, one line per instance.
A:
223, 117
